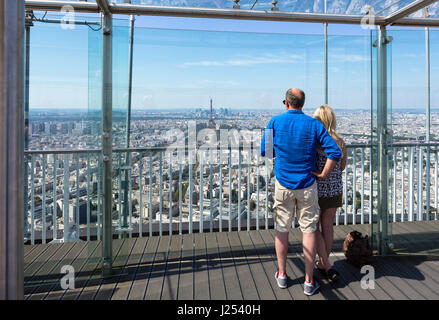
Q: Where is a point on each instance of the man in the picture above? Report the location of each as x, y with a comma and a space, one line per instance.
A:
292, 138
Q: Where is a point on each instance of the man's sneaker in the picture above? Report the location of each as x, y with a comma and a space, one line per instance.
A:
309, 289
281, 281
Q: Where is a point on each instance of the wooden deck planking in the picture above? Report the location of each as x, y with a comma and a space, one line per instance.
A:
91, 288
328, 289
78, 264
351, 274
263, 285
124, 282
42, 264
107, 286
295, 260
295, 275
231, 265
172, 271
231, 280
53, 276
141, 278
248, 286
425, 277
186, 280
216, 279
389, 286
267, 257
155, 283
201, 275
425, 273
35, 276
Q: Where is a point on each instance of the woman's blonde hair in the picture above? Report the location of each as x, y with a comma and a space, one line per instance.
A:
326, 116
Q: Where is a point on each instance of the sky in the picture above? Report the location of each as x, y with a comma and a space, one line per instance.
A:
183, 62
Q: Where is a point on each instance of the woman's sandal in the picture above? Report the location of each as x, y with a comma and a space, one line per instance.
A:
333, 275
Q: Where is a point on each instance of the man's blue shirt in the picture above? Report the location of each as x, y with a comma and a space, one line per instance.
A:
293, 138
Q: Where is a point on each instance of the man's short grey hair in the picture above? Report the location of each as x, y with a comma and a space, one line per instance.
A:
295, 100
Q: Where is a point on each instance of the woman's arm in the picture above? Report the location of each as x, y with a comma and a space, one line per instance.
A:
343, 160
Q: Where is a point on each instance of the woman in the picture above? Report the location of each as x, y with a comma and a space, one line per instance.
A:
330, 189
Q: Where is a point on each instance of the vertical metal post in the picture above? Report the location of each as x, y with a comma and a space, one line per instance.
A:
370, 186
107, 148
11, 148
32, 201
66, 214
99, 197
354, 186
345, 192
394, 191
161, 193
140, 166
325, 31
230, 188
210, 190
221, 190
257, 191
436, 183
428, 115
28, 24
128, 125
130, 80
362, 186
382, 92
180, 193
43, 199
410, 183
420, 184
402, 183
239, 188
191, 188
150, 196
201, 219
54, 214
170, 194
77, 198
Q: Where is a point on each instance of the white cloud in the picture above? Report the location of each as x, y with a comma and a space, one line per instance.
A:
349, 57
244, 61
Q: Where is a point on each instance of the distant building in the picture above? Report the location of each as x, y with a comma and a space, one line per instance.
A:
211, 124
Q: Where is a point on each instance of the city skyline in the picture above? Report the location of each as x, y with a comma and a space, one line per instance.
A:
241, 70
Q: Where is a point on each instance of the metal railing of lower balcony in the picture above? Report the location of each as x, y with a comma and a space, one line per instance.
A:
204, 191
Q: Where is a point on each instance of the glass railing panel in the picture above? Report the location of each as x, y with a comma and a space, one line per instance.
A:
197, 68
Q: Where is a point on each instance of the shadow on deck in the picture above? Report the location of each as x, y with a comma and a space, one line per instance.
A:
230, 265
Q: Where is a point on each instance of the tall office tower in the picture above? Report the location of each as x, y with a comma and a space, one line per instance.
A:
211, 124
53, 129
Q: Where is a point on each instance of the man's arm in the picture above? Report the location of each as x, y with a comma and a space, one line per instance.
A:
267, 149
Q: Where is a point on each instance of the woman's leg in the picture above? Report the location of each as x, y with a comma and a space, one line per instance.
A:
327, 223
321, 251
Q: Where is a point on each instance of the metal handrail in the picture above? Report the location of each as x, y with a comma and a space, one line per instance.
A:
140, 9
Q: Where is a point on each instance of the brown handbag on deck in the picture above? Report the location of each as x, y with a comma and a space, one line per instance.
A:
356, 249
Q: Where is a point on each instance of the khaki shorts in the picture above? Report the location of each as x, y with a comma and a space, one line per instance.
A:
303, 202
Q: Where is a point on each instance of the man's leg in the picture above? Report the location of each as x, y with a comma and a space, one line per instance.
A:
281, 245
309, 251
309, 210
284, 207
